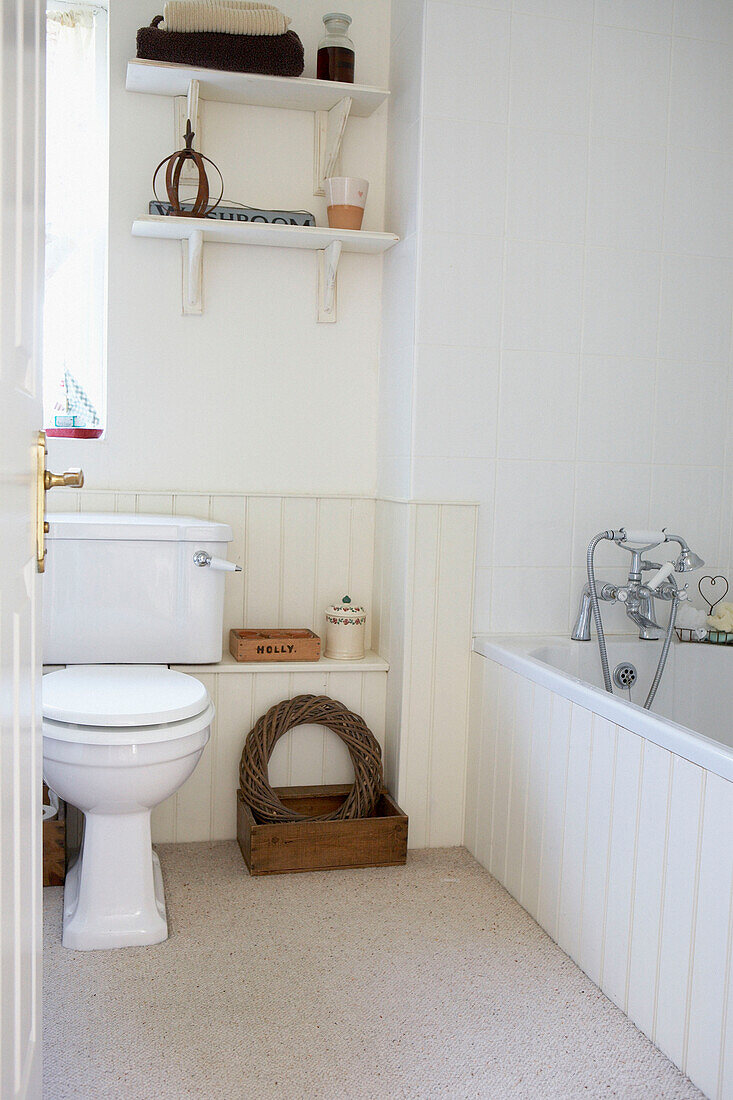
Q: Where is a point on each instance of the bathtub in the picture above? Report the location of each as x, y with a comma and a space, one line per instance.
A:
613, 826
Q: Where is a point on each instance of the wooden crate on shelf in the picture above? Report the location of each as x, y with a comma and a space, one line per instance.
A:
283, 847
271, 643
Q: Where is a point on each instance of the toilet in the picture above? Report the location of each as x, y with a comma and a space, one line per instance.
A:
125, 596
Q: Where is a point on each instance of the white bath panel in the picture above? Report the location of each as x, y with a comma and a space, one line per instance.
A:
725, 1073
627, 860
552, 834
678, 908
487, 763
473, 756
521, 752
536, 799
648, 885
597, 844
509, 684
574, 827
617, 925
712, 943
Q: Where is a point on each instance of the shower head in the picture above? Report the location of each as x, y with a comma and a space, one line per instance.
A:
688, 559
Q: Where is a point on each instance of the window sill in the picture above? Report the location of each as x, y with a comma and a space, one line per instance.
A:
74, 433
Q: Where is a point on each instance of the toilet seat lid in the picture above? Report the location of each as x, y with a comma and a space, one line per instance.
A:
121, 695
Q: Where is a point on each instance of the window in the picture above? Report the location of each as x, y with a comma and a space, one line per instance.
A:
74, 328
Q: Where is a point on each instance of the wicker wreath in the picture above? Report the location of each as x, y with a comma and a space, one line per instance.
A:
364, 750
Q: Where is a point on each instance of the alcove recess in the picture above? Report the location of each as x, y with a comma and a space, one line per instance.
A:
331, 104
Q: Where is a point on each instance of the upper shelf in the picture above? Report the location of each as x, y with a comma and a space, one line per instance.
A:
311, 237
295, 93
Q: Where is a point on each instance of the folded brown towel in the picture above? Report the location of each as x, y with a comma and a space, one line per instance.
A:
270, 55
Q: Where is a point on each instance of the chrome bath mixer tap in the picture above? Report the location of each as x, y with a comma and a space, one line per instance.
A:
636, 596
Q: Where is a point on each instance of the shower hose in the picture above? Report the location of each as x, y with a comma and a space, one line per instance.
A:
603, 651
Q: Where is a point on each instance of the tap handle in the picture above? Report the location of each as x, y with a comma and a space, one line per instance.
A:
660, 576
643, 538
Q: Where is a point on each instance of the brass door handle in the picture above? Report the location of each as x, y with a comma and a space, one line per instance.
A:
73, 478
45, 480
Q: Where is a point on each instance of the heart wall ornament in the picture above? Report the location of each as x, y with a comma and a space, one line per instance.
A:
711, 589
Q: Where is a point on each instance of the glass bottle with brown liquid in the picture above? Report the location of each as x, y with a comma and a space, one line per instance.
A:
336, 50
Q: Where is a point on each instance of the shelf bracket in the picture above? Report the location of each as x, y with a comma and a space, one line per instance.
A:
185, 107
329, 130
192, 257
328, 262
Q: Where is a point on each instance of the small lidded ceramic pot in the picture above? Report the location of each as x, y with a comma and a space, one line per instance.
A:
345, 625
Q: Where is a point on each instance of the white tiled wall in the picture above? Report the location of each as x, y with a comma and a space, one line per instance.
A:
569, 361
620, 850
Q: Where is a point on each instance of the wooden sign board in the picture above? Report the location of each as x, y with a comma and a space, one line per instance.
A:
274, 644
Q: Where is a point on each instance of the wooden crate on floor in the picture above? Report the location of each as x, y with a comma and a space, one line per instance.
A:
54, 846
376, 841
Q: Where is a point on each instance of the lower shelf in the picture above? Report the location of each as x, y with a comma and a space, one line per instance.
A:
329, 243
370, 662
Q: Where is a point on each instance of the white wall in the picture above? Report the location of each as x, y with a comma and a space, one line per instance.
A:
253, 395
399, 292
574, 272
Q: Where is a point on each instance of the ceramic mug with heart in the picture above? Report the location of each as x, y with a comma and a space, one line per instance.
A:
345, 200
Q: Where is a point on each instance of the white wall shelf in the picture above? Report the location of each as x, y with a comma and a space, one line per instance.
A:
330, 101
329, 243
371, 662
294, 93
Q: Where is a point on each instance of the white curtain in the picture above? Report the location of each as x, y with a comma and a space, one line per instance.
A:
76, 212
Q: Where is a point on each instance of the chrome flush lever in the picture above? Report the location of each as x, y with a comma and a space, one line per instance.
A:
203, 558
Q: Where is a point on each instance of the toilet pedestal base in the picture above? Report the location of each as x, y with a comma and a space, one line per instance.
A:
113, 896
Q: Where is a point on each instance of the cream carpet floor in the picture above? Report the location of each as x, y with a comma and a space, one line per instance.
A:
402, 983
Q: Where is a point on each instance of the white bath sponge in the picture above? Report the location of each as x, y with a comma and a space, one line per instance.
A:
722, 619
